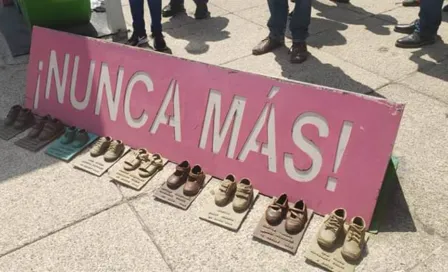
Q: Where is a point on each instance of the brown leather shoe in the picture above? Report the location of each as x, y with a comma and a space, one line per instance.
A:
296, 218
226, 190
50, 129
195, 181
299, 52
179, 177
39, 126
243, 196
277, 210
12, 115
266, 46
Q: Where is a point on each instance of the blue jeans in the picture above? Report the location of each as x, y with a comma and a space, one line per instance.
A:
430, 17
155, 9
299, 22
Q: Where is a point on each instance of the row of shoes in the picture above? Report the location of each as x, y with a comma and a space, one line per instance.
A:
110, 149
19, 117
192, 178
146, 163
46, 128
75, 137
240, 193
333, 228
296, 216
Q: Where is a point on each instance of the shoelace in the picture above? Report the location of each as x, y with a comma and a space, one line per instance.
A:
354, 233
225, 186
243, 191
98, 144
112, 146
332, 223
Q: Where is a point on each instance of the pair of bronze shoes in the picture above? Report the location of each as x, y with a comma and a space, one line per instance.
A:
193, 178
296, 216
19, 117
75, 137
146, 163
46, 128
242, 193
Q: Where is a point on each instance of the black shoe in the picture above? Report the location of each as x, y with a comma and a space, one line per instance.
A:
299, 52
411, 3
201, 12
171, 10
445, 8
159, 42
136, 40
406, 28
415, 40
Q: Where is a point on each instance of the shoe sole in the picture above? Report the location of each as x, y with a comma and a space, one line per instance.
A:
411, 46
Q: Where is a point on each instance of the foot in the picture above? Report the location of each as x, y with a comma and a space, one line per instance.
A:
159, 42
411, 3
201, 12
266, 46
406, 28
299, 52
415, 40
136, 40
445, 8
171, 10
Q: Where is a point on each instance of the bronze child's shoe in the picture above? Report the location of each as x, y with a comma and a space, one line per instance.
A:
68, 136
12, 115
24, 118
243, 196
81, 138
39, 126
114, 151
150, 167
296, 218
179, 177
134, 161
331, 228
100, 146
277, 210
195, 181
355, 239
51, 129
225, 191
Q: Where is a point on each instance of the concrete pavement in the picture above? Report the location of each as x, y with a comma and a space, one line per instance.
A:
55, 218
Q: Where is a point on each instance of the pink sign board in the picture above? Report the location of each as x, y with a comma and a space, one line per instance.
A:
325, 146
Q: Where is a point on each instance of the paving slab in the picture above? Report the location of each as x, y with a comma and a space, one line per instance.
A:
321, 68
371, 7
364, 46
237, 5
113, 240
436, 262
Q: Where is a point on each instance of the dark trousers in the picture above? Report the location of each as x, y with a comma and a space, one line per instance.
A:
430, 17
138, 14
299, 23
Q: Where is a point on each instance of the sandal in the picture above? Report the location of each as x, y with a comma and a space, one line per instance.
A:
151, 166
135, 161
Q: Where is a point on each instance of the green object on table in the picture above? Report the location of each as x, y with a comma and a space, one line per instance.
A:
55, 13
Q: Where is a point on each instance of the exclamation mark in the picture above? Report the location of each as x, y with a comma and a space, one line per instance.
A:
36, 93
343, 141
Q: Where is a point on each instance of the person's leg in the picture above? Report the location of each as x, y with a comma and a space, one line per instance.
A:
425, 29
138, 23
201, 9
173, 8
155, 8
300, 21
277, 25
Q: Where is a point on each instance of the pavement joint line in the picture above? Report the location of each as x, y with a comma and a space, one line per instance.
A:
418, 92
150, 234
421, 261
82, 219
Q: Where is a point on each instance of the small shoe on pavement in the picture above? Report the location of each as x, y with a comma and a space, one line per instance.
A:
24, 118
12, 115
277, 210
150, 166
195, 181
51, 129
331, 228
100, 146
243, 196
39, 126
411, 3
406, 28
201, 12
136, 159
173, 9
225, 191
296, 218
415, 40
81, 138
179, 177
114, 151
355, 239
299, 52
267, 45
68, 136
